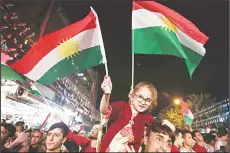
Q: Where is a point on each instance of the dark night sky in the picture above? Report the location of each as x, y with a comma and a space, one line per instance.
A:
167, 73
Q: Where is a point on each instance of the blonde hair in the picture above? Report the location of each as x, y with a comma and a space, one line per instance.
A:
153, 91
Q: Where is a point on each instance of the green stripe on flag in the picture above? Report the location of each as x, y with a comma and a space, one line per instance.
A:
160, 41
84, 60
188, 120
8, 73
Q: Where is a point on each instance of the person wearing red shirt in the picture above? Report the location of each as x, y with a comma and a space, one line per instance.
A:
87, 144
177, 141
127, 121
199, 146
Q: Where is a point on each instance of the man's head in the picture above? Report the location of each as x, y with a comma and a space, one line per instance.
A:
215, 134
36, 138
94, 131
188, 140
19, 128
196, 135
143, 97
7, 130
158, 138
223, 133
210, 139
57, 135
178, 139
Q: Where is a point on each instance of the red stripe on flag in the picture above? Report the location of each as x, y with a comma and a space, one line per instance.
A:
181, 22
184, 107
51, 41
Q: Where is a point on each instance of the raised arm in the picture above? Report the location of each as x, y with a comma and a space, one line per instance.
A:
107, 88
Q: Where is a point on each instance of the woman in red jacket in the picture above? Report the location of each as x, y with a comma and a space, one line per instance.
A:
127, 121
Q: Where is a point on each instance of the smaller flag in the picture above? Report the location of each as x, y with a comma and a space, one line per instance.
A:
188, 116
33, 90
8, 73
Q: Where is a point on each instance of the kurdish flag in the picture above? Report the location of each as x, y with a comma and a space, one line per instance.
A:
188, 116
64, 52
8, 73
159, 30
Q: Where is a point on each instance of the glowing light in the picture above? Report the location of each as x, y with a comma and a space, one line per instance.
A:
177, 101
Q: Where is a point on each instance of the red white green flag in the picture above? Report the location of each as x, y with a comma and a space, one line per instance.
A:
156, 29
188, 116
64, 52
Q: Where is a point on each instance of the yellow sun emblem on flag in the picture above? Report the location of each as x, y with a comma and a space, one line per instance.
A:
68, 48
169, 24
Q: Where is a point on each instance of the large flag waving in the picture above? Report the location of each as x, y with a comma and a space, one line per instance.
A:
160, 30
63, 52
188, 116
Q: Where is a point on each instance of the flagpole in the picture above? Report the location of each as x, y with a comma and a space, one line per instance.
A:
101, 42
132, 71
132, 58
45, 21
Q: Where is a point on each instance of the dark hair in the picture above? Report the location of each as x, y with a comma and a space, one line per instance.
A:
222, 132
194, 133
184, 132
208, 138
62, 126
20, 124
39, 131
157, 127
213, 132
10, 128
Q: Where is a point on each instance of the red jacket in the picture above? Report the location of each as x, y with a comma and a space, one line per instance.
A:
84, 142
120, 116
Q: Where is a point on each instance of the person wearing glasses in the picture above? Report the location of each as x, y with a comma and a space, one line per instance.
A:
127, 121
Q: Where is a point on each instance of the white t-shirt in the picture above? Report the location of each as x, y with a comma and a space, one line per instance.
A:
220, 143
209, 147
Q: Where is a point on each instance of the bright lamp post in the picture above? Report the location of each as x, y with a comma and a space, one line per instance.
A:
176, 101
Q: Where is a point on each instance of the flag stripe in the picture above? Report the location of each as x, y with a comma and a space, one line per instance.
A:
39, 69
141, 20
185, 25
87, 58
153, 41
8, 73
50, 41
188, 120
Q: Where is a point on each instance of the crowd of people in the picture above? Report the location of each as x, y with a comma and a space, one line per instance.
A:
124, 127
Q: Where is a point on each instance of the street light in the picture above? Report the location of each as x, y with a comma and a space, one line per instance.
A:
177, 101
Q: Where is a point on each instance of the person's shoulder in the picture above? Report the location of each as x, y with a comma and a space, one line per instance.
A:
120, 103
